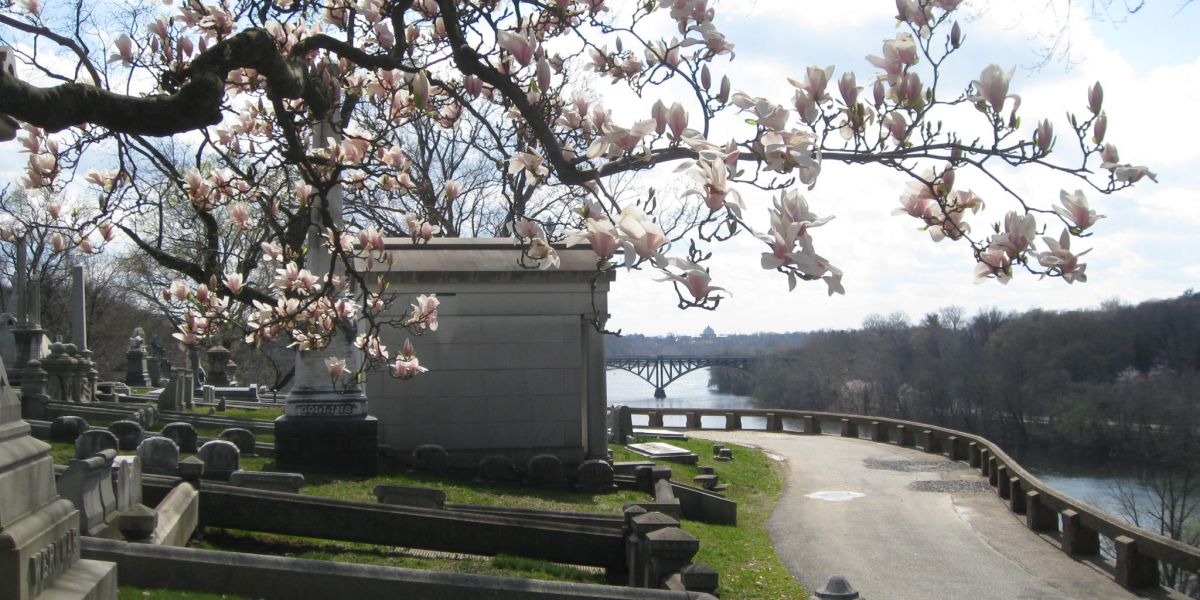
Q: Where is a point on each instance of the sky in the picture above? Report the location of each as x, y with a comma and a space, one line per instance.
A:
1146, 248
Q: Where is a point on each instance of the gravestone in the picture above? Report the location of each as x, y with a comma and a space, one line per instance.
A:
497, 468
665, 452
620, 423
135, 360
595, 475
405, 495
94, 440
218, 358
87, 483
430, 458
221, 459
127, 479
159, 456
183, 434
271, 482
40, 531
157, 362
129, 434
67, 428
543, 469
242, 438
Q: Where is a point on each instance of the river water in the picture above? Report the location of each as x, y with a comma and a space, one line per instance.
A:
1094, 480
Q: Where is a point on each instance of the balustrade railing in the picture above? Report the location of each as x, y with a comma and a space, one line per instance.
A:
1079, 525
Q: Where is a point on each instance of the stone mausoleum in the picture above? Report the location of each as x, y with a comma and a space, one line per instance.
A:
516, 367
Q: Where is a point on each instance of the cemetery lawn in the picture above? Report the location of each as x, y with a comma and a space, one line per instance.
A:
265, 413
128, 593
742, 555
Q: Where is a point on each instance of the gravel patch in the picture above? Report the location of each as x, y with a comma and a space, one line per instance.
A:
913, 466
950, 486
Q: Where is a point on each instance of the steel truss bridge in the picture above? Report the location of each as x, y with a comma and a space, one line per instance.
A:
659, 371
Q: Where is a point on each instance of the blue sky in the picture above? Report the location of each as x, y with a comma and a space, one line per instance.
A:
1146, 248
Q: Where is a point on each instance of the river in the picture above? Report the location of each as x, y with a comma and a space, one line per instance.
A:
1093, 480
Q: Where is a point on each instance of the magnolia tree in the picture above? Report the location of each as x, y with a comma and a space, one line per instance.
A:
229, 135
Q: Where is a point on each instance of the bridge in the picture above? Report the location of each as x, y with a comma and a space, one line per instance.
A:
659, 371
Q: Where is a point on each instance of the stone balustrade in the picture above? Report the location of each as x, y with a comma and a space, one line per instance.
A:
1139, 552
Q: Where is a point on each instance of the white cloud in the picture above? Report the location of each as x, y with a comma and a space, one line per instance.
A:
814, 15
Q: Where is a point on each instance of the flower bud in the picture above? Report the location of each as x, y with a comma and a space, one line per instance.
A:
1044, 135
1099, 128
955, 35
1095, 98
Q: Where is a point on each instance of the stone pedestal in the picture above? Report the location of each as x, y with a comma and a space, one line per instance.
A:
32, 344
327, 445
135, 367
154, 371
39, 531
218, 358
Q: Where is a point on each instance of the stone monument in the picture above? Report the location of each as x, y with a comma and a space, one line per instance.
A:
39, 531
30, 340
218, 358
156, 362
325, 426
135, 360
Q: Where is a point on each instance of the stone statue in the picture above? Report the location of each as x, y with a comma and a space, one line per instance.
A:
156, 348
138, 341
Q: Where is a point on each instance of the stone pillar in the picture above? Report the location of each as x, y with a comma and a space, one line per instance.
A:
811, 425
78, 307
1077, 538
30, 339
1016, 496
973, 454
733, 421
231, 369
774, 421
90, 377
878, 432
135, 367
1134, 570
59, 369
953, 449
669, 550
154, 371
655, 418
78, 374
693, 420
1038, 516
985, 463
905, 436
218, 357
929, 442
849, 428
1002, 481
39, 531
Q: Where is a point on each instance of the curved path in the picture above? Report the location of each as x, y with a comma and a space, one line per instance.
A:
897, 543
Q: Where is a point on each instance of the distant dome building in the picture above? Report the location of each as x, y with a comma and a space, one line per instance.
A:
708, 333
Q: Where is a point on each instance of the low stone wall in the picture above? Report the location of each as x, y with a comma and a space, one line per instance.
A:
1139, 552
430, 529
271, 577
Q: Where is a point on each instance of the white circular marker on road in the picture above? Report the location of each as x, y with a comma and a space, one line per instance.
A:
834, 496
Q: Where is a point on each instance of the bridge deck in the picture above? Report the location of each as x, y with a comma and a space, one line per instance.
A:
901, 544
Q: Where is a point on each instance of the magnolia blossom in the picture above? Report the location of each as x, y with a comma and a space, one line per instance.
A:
695, 279
643, 238
1043, 137
1060, 259
994, 262
1095, 98
336, 366
529, 162
717, 192
1075, 209
601, 235
545, 254
992, 87
527, 229
521, 47
292, 277
233, 281
124, 53
1019, 231
425, 312
239, 215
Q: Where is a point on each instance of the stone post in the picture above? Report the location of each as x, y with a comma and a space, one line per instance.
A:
79, 374
985, 463
1016, 496
836, 588
733, 421
929, 442
90, 377
154, 370
693, 420
59, 368
811, 425
1134, 570
669, 550
30, 338
1038, 516
774, 421
654, 419
973, 454
906, 437
637, 548
878, 432
1077, 538
849, 428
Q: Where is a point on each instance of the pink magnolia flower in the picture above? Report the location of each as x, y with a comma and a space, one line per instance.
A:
992, 87
57, 242
528, 162
527, 229
1019, 231
336, 366
106, 230
601, 235
32, 7
1060, 259
1095, 98
406, 367
1132, 174
180, 290
1099, 129
272, 251
1075, 209
1044, 136
233, 281
519, 46
425, 312
472, 85
696, 280
239, 215
545, 254
292, 277
994, 262
677, 120
643, 238
898, 54
452, 188
124, 52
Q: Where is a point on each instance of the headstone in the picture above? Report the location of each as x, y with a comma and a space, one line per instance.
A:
157, 361
159, 455
171, 398
543, 469
497, 468
87, 483
67, 428
183, 434
430, 458
221, 459
620, 423
34, 401
135, 360
405, 495
242, 438
665, 452
726, 454
127, 479
272, 482
154, 371
218, 358
94, 440
40, 552
129, 434
595, 475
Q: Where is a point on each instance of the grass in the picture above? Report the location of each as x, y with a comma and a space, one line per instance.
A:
128, 593
256, 414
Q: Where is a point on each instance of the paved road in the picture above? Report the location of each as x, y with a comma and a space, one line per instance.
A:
897, 543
